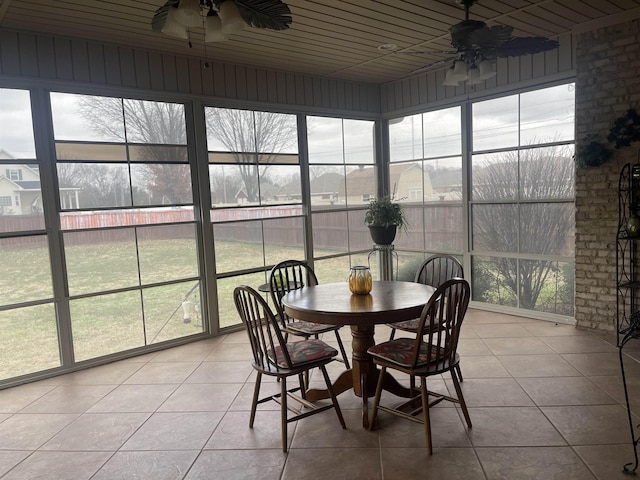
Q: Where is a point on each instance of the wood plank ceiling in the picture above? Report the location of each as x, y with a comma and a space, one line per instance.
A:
331, 38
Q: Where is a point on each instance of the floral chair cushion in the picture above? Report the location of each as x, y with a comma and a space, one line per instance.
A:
400, 351
407, 325
308, 328
306, 351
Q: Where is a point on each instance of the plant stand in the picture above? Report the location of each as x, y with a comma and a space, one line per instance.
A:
386, 255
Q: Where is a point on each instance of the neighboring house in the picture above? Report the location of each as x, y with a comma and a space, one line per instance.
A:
411, 183
20, 192
324, 189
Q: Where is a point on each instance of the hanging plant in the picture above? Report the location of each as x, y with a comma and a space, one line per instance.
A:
625, 129
591, 152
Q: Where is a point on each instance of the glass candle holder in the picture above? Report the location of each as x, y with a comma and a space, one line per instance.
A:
360, 280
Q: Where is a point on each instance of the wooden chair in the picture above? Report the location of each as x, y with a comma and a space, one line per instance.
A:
431, 352
290, 275
273, 356
434, 271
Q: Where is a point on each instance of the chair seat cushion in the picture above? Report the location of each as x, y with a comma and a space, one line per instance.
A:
303, 352
407, 325
310, 328
400, 352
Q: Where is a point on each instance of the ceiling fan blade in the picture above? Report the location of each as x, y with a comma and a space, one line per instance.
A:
271, 14
517, 46
160, 17
432, 66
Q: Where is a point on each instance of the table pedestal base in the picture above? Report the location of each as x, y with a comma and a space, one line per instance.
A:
363, 376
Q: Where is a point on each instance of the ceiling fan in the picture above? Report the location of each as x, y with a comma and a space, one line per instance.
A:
477, 46
219, 18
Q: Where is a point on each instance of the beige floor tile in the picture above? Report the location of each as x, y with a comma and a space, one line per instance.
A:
28, 431
512, 427
578, 344
110, 374
236, 337
244, 398
551, 329
482, 367
612, 384
134, 398
174, 431
608, 461
444, 464
193, 352
591, 424
517, 346
447, 430
473, 346
467, 331
533, 463
59, 465
15, 399
238, 465
221, 372
9, 459
147, 466
594, 364
324, 430
475, 317
230, 352
201, 397
501, 330
333, 463
165, 372
97, 432
69, 399
538, 366
492, 392
565, 391
233, 431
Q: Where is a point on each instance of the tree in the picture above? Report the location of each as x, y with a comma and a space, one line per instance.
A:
540, 228
253, 139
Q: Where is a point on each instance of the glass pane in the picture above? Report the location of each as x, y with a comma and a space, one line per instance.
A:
93, 185
547, 115
117, 218
547, 228
442, 132
102, 260
28, 340
325, 138
167, 253
15, 110
547, 286
283, 239
408, 264
106, 324
495, 123
444, 228
91, 151
547, 173
161, 184
226, 307
495, 176
495, 228
361, 185
443, 180
332, 270
276, 132
225, 184
158, 153
87, 117
172, 311
413, 237
359, 236
154, 122
230, 130
238, 246
235, 214
409, 182
405, 138
494, 280
327, 185
247, 193
25, 272
21, 206
359, 141
330, 233
280, 184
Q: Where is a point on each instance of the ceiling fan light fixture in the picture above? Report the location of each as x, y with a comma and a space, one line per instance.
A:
487, 70
460, 71
188, 13
213, 28
449, 79
474, 76
232, 21
173, 27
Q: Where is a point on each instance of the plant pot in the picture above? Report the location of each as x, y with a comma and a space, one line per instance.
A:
383, 235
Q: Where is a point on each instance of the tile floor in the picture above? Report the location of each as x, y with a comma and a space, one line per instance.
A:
546, 402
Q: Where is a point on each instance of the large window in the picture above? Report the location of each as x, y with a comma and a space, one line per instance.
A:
522, 201
127, 219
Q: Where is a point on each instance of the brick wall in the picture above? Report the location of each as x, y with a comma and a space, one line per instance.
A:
607, 85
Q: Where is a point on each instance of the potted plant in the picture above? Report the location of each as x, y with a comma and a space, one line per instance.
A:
383, 217
591, 152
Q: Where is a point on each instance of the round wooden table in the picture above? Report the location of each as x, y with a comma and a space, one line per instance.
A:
334, 304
